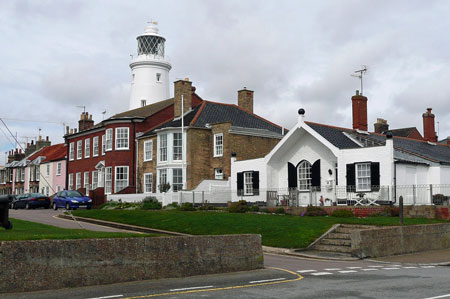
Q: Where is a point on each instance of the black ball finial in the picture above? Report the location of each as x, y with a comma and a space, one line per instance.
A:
233, 154
301, 111
389, 135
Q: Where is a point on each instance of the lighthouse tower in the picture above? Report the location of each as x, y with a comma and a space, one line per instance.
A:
149, 69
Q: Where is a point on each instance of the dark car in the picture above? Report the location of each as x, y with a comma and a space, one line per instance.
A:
71, 199
31, 201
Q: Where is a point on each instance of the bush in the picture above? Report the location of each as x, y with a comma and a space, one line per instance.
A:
238, 207
187, 206
343, 213
254, 208
280, 210
265, 210
164, 187
172, 206
119, 205
207, 207
315, 211
151, 203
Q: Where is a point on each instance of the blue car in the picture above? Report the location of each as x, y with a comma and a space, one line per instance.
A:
31, 201
71, 199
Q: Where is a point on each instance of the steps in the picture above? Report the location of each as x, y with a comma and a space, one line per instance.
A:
338, 240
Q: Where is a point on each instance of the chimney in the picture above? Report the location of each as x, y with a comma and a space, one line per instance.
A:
245, 99
85, 121
429, 134
182, 87
359, 107
67, 130
42, 143
381, 126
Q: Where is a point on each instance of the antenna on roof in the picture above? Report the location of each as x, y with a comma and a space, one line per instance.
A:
103, 116
361, 72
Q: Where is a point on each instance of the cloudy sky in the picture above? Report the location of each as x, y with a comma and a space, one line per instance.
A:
58, 55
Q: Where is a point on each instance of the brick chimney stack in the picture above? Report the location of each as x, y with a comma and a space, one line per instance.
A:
359, 107
85, 121
381, 126
429, 133
245, 99
182, 87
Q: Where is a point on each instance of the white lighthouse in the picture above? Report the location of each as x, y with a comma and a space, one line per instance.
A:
149, 69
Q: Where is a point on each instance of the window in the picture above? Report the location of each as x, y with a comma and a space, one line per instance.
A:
48, 169
58, 168
218, 145
121, 178
87, 148
122, 138
70, 181
108, 180
218, 173
103, 144
304, 175
148, 150
108, 140
143, 103
78, 181
86, 181
71, 151
79, 149
248, 183
94, 179
163, 147
58, 188
95, 146
363, 182
22, 175
162, 177
148, 182
38, 173
177, 147
158, 77
177, 179
47, 191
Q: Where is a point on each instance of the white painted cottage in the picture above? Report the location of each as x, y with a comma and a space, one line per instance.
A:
316, 163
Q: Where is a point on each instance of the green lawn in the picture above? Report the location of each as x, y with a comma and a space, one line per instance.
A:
26, 230
277, 230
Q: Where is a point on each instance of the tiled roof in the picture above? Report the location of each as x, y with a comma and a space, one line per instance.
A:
54, 152
145, 111
403, 132
422, 149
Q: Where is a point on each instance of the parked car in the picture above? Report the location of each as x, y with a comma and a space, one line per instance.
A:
31, 201
71, 199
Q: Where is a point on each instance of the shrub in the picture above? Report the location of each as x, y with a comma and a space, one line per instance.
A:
238, 207
254, 208
172, 206
119, 205
151, 203
187, 206
279, 210
392, 211
343, 213
265, 210
207, 207
438, 199
315, 211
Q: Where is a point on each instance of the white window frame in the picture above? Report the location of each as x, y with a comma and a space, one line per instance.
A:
47, 191
148, 182
86, 181
103, 144
78, 181
122, 181
363, 177
70, 183
48, 169
87, 147
162, 176
58, 168
148, 150
304, 176
218, 146
178, 147
79, 149
218, 173
109, 140
38, 173
248, 183
177, 185
71, 151
22, 175
122, 139
108, 180
94, 179
95, 146
162, 153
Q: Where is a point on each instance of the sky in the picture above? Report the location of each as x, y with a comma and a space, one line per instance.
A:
57, 56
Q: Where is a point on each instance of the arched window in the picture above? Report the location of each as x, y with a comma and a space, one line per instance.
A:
304, 175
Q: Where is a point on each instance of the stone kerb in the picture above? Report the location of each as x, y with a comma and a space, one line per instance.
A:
53, 264
390, 241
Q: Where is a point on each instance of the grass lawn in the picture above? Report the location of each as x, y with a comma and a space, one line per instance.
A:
277, 230
26, 230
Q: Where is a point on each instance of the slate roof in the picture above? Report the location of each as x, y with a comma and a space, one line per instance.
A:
403, 147
212, 113
403, 132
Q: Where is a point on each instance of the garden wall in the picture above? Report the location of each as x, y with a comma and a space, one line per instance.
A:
53, 264
390, 241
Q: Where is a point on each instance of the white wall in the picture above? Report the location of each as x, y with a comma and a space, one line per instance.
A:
249, 165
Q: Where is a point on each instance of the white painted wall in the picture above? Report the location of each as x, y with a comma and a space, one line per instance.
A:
249, 165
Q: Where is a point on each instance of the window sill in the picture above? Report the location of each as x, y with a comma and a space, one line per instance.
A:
148, 160
122, 149
217, 156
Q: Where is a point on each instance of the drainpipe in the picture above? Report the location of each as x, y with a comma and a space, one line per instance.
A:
395, 183
136, 152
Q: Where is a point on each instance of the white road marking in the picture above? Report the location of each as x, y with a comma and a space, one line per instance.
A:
410, 267
391, 268
354, 267
369, 269
107, 297
426, 267
348, 271
306, 271
376, 266
443, 296
192, 288
267, 280
332, 269
321, 273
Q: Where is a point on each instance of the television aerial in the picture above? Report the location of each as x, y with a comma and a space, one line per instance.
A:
360, 74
